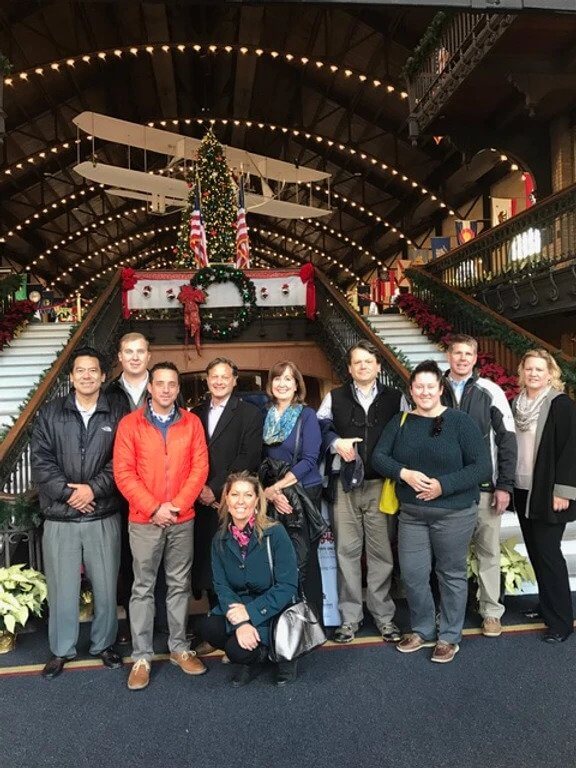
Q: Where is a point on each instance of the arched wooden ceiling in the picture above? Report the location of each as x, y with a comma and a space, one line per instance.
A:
311, 84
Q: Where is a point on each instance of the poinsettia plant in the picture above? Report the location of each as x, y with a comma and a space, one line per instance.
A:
439, 330
14, 318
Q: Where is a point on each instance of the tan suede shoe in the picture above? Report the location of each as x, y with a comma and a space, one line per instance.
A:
139, 675
188, 662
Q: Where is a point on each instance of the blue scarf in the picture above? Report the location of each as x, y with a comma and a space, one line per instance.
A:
278, 428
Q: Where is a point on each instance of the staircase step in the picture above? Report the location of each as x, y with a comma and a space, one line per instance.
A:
37, 342
17, 379
25, 357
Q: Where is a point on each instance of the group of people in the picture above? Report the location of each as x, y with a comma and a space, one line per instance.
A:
228, 497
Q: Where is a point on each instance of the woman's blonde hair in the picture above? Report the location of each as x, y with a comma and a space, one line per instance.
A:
262, 521
553, 368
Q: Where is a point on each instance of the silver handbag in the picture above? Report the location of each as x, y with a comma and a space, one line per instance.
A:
295, 631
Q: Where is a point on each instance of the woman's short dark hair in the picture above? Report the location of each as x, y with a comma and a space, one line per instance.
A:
427, 366
277, 370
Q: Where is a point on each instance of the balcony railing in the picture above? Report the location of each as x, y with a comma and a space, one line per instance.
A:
541, 237
461, 45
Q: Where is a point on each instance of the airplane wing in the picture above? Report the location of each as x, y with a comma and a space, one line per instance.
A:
138, 185
184, 147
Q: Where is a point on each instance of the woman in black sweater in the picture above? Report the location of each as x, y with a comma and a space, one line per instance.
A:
545, 494
438, 458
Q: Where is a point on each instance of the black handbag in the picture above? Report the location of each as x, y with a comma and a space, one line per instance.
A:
295, 631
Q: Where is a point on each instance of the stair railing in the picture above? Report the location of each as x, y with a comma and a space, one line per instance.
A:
97, 329
497, 335
544, 233
341, 327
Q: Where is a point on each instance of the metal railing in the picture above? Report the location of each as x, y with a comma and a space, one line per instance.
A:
341, 327
496, 335
97, 329
542, 236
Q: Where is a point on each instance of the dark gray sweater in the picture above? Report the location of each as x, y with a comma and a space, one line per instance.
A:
457, 457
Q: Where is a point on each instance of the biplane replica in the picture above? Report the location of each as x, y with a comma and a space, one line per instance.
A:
277, 183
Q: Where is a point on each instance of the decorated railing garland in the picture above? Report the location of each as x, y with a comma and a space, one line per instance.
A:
439, 330
17, 314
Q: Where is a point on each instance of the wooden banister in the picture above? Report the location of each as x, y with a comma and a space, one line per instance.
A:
391, 361
482, 309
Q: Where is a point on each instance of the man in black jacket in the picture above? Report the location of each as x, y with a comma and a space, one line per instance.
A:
71, 457
352, 418
233, 432
485, 402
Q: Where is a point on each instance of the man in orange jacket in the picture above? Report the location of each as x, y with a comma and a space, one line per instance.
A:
160, 466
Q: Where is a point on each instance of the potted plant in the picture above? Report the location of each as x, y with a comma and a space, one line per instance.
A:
515, 568
22, 592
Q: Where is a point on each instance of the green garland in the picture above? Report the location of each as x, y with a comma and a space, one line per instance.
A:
6, 66
427, 44
483, 324
23, 512
225, 273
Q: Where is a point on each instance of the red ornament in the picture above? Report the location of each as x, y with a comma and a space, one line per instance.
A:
129, 280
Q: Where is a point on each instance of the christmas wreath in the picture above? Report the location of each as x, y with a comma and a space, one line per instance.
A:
223, 329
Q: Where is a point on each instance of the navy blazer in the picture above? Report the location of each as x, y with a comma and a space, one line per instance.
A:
250, 582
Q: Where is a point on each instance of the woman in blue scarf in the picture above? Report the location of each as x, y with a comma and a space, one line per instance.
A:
292, 435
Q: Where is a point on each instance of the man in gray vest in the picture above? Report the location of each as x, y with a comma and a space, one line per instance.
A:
352, 418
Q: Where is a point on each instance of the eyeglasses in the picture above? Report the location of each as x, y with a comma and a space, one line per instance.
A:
437, 425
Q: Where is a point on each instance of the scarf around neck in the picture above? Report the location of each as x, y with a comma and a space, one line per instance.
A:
243, 535
526, 411
278, 428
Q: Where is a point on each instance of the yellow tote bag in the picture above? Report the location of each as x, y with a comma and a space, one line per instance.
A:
389, 503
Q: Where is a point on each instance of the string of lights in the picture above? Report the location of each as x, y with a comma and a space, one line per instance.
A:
110, 54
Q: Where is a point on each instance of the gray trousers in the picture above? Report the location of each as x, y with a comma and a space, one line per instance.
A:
445, 535
65, 546
357, 519
486, 540
148, 544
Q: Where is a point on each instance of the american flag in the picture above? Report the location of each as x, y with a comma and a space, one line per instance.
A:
198, 234
242, 241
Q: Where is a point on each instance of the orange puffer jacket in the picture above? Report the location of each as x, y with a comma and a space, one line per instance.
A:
149, 470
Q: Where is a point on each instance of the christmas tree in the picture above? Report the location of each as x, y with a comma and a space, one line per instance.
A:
218, 204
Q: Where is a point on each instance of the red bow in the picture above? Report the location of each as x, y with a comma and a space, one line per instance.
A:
129, 280
190, 298
307, 276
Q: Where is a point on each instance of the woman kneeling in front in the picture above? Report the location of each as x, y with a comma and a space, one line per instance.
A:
438, 458
249, 595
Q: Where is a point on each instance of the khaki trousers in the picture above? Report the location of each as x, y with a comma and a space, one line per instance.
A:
357, 521
486, 540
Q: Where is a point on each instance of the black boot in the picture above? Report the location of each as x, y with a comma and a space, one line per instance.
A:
244, 674
287, 672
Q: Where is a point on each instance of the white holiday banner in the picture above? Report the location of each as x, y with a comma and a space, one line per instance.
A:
159, 290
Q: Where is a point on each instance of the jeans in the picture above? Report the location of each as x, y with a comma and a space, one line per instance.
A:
444, 535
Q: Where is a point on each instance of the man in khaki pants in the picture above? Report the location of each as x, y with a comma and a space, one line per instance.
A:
486, 403
160, 466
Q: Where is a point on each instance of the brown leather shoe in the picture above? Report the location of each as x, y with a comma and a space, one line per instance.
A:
139, 676
491, 627
445, 652
413, 642
188, 662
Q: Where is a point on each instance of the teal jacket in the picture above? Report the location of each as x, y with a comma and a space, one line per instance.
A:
250, 581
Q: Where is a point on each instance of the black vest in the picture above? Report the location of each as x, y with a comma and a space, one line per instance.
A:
350, 420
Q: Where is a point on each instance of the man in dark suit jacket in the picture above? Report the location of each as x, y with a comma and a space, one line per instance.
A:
234, 435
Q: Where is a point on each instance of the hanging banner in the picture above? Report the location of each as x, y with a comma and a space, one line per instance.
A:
503, 208
440, 246
465, 230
